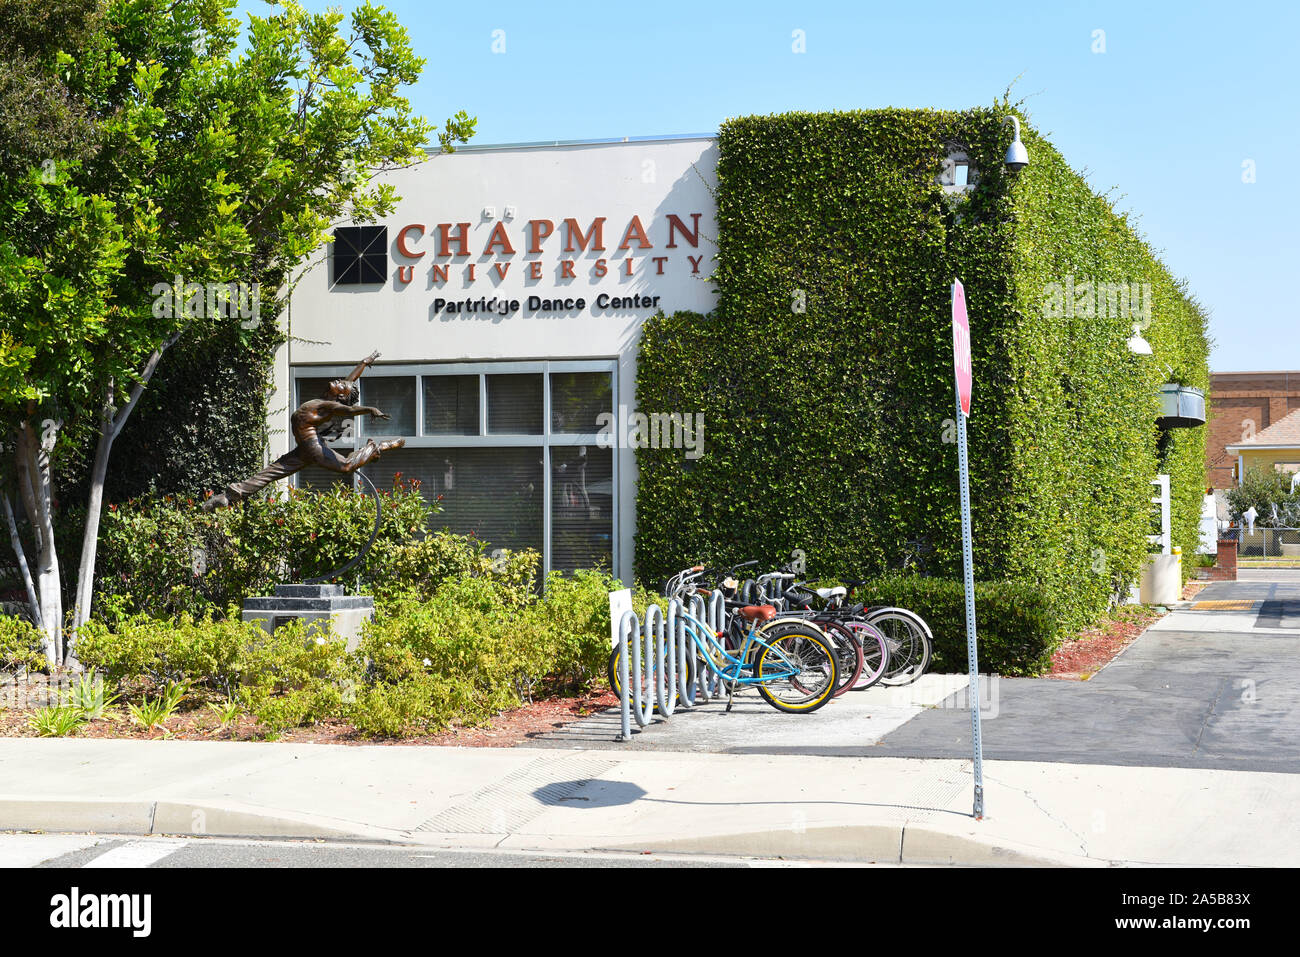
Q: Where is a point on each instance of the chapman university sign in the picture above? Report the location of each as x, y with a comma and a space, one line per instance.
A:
559, 251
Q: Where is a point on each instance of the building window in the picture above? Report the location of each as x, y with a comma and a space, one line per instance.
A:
958, 175
578, 399
360, 255
511, 448
395, 396
515, 405
451, 405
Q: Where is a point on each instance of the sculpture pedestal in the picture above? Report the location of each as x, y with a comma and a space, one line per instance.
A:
312, 603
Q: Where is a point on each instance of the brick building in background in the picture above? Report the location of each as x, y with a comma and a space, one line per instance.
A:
1243, 404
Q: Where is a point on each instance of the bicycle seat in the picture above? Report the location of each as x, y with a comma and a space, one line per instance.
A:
758, 612
839, 591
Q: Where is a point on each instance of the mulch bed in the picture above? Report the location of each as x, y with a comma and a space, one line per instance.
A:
1082, 657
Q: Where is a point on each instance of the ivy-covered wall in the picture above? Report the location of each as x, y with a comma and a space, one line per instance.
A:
200, 424
825, 372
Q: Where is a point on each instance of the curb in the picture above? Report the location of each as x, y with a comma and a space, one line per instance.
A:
178, 818
874, 843
884, 843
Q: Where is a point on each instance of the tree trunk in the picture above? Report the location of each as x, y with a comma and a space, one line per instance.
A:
94, 508
21, 555
34, 469
110, 428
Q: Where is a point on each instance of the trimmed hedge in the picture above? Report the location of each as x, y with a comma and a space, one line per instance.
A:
1015, 622
831, 429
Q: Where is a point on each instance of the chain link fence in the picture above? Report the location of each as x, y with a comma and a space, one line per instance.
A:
1266, 543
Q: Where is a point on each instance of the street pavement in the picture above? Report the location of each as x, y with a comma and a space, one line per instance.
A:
115, 851
886, 810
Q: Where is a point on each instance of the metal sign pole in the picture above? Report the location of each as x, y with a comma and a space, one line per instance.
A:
972, 655
963, 378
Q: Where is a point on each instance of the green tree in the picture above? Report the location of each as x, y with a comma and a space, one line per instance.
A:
181, 182
1268, 491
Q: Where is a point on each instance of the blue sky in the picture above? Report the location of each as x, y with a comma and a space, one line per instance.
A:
1183, 95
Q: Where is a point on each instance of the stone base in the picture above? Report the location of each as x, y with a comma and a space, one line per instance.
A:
311, 603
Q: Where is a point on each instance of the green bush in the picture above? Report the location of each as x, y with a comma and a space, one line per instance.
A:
21, 646
824, 375
147, 547
298, 675
141, 653
458, 636
472, 649
414, 705
477, 644
1015, 623
575, 613
466, 651
418, 568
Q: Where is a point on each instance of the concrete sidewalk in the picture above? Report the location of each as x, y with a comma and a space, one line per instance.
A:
868, 809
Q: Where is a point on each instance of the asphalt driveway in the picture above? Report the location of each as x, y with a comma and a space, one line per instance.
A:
1216, 686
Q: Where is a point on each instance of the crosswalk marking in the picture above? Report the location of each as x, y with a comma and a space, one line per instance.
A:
136, 854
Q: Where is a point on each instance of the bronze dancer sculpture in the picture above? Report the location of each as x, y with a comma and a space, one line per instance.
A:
308, 421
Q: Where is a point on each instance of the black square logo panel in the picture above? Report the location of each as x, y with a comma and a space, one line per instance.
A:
360, 255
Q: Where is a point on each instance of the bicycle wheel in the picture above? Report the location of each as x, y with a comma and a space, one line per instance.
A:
909, 644
851, 655
875, 653
799, 670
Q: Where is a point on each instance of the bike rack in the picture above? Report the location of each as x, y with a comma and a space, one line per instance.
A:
639, 643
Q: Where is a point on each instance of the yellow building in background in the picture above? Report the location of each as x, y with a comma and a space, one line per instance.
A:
1276, 447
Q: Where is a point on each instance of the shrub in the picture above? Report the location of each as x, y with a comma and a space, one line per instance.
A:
21, 646
417, 704
417, 569
142, 652
576, 613
1014, 621
148, 547
463, 638
472, 650
468, 653
298, 675
301, 674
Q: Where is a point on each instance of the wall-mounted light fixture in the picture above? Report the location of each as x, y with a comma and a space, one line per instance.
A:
1017, 157
1138, 345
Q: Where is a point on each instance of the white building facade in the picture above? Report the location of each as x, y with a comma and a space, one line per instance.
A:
505, 296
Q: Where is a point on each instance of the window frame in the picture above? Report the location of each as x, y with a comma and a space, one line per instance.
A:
484, 439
